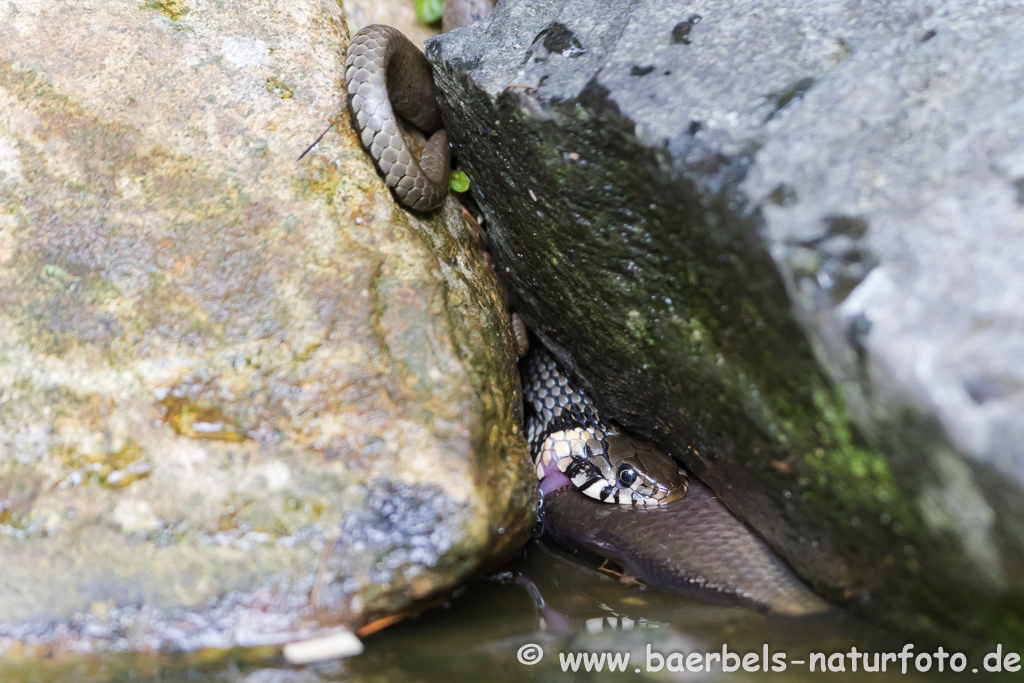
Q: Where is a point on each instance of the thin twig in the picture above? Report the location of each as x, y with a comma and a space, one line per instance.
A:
315, 143
375, 626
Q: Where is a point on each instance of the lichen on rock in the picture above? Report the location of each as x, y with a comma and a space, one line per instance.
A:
239, 389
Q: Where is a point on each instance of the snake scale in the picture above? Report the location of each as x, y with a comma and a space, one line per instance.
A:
385, 75
567, 436
665, 530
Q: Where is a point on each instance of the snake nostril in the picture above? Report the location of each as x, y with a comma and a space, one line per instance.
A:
627, 475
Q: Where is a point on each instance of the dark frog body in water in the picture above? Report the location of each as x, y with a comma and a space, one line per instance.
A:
602, 490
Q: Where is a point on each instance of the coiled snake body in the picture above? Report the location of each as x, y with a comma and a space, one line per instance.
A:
687, 539
386, 74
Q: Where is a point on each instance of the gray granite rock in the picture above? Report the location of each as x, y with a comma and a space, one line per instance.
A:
243, 396
785, 240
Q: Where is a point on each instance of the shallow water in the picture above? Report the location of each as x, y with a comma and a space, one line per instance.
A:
566, 606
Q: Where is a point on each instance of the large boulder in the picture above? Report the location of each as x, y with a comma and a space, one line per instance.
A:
784, 240
243, 396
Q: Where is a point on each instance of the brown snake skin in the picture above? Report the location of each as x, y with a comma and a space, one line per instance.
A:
683, 541
385, 75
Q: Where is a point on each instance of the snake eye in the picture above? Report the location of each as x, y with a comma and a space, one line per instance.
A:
627, 475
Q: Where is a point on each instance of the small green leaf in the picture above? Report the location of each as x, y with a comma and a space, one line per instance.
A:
55, 271
429, 11
458, 181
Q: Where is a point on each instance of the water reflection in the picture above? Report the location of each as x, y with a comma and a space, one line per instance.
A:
566, 606
549, 599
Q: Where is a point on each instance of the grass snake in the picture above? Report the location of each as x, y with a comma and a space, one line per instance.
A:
665, 530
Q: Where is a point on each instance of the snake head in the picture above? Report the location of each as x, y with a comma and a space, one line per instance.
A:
614, 468
651, 476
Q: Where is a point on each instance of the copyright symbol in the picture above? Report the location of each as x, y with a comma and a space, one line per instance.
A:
530, 654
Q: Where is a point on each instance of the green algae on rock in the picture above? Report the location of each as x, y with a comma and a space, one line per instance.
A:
239, 390
746, 240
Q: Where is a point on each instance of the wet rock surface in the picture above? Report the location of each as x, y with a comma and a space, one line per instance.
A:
783, 241
243, 396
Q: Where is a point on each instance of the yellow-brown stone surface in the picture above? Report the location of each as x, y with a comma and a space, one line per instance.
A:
238, 389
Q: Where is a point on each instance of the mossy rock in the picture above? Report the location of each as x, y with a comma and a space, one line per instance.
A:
758, 246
